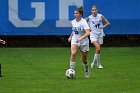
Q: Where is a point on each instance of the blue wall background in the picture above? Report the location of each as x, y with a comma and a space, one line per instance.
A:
124, 16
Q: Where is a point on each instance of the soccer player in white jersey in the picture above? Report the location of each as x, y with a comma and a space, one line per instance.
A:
79, 39
97, 34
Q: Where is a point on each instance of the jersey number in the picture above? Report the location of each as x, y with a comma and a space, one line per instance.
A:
76, 32
97, 26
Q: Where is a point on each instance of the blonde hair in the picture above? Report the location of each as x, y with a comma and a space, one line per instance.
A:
95, 7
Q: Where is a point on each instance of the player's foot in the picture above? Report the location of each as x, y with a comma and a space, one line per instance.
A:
100, 66
92, 65
87, 74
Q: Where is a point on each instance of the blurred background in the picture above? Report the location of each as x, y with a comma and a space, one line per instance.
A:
46, 23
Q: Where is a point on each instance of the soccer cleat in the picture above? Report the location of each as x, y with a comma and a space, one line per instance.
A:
92, 65
100, 66
87, 74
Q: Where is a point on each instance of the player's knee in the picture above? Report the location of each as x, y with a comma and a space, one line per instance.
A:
73, 53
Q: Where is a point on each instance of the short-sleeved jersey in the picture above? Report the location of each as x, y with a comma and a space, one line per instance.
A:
78, 29
95, 23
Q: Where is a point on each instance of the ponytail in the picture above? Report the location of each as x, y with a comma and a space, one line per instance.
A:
80, 10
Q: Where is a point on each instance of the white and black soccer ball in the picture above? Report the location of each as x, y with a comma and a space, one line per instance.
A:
70, 73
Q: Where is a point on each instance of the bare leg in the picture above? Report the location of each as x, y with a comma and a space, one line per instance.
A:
96, 55
85, 62
74, 49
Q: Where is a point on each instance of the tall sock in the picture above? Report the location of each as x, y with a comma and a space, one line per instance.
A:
98, 59
72, 65
95, 58
86, 67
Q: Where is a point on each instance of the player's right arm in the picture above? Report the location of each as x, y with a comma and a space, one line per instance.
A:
70, 37
87, 19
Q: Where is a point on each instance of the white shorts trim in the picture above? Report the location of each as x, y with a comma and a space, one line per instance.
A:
83, 48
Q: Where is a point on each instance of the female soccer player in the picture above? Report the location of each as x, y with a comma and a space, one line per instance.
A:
79, 39
97, 34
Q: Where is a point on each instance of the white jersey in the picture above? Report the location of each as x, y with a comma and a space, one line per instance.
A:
95, 23
78, 29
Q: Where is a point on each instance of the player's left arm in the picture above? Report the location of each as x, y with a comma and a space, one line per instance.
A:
107, 23
87, 19
87, 33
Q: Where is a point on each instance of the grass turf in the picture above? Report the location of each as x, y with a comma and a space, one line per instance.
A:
42, 70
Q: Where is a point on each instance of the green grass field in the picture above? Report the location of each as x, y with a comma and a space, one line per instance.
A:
42, 70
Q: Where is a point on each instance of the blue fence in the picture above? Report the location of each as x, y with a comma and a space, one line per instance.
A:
52, 17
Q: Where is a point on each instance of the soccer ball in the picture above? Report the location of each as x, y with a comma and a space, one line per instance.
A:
70, 73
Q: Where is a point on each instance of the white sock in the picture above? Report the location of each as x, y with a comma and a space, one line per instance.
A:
72, 65
86, 67
95, 58
98, 59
